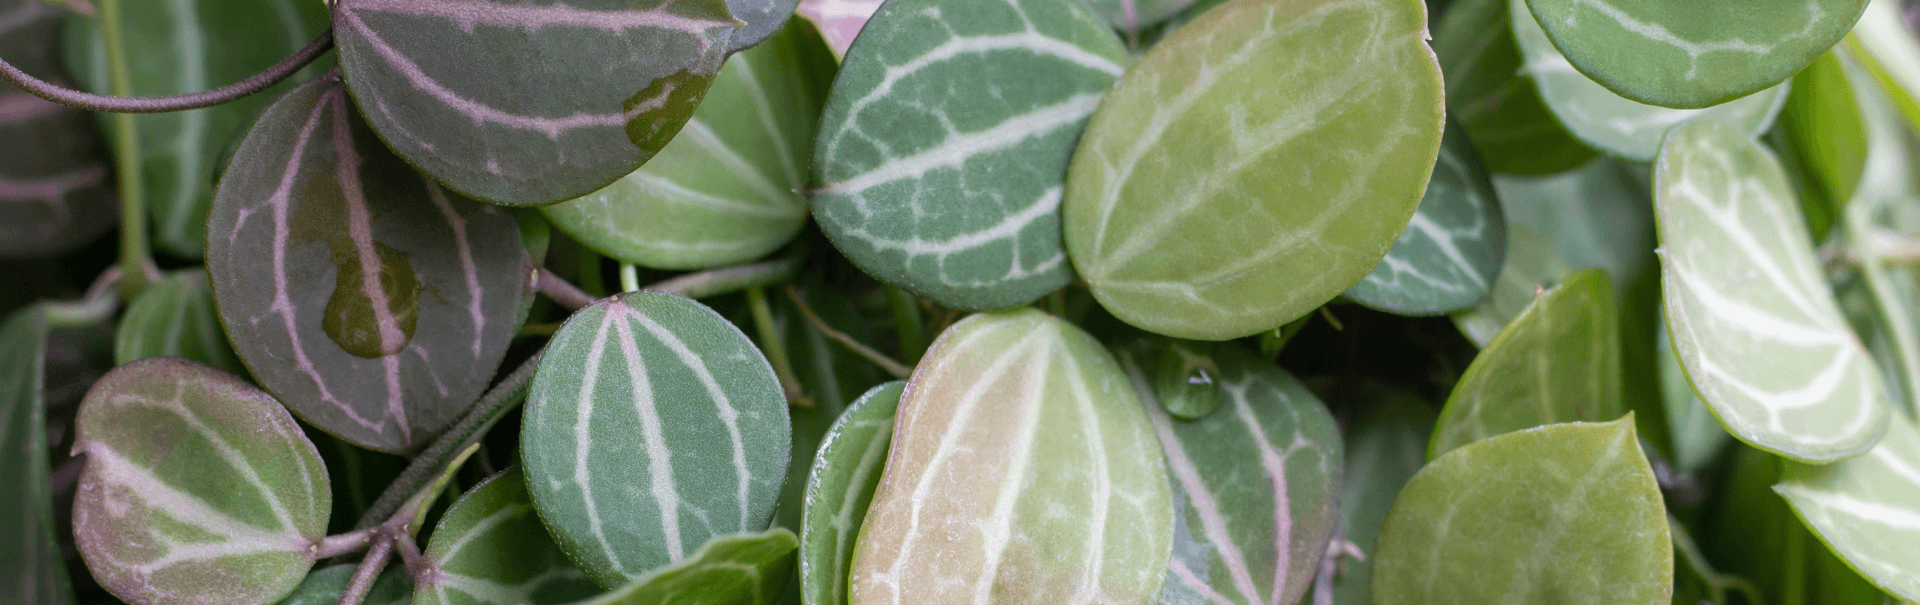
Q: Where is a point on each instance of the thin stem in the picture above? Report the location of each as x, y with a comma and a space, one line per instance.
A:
907, 323
120, 102
775, 347
629, 277
369, 568
730, 279
126, 152
567, 294
417, 566
334, 546
503, 398
897, 369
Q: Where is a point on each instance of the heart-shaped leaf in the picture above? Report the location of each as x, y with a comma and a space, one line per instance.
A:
736, 569
1023, 464
1450, 253
1616, 124
490, 548
1559, 361
1692, 54
726, 190
524, 103
651, 426
1748, 310
844, 476
1130, 16
1867, 508
1532, 266
175, 318
54, 193
1206, 203
1255, 484
1493, 98
1386, 444
762, 18
34, 574
323, 587
1564, 513
944, 146
366, 297
199, 487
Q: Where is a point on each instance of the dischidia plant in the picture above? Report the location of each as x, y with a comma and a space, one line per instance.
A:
960, 301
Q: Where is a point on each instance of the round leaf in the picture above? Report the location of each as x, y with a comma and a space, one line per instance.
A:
54, 192
490, 548
844, 476
737, 569
1867, 508
175, 318
1206, 202
1450, 253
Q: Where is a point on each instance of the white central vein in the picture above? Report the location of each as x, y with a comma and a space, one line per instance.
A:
583, 441
959, 147
996, 530
723, 405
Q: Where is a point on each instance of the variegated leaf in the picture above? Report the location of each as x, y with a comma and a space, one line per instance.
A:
1493, 98
762, 19
652, 426
1532, 265
943, 150
524, 103
490, 548
1386, 444
1022, 466
1205, 202
1747, 308
175, 318
839, 489
1450, 254
54, 193
1867, 508
734, 569
34, 574
1255, 485
369, 299
323, 587
726, 190
1559, 361
198, 487
1616, 124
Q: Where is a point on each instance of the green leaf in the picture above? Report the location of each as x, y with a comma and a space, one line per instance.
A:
491, 548
1693, 54
1255, 484
1386, 444
763, 20
35, 574
54, 193
944, 146
1131, 16
1752, 532
1892, 54
1532, 265
841, 486
1493, 98
1206, 203
198, 487
522, 103
1023, 463
736, 569
1697, 581
1881, 209
1450, 254
1599, 216
726, 190
323, 587
1564, 513
1615, 124
178, 47
1867, 508
652, 425
175, 318
1558, 361
1828, 135
371, 301
1697, 434
1750, 315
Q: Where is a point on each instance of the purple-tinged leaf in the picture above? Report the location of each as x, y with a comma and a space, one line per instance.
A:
54, 192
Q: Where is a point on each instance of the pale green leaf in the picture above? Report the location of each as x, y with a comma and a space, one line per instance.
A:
734, 569
175, 318
1891, 53
1882, 208
1598, 216
35, 574
1751, 531
1450, 254
1867, 508
838, 490
491, 548
1532, 265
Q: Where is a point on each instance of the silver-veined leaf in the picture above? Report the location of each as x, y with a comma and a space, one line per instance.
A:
1385, 445
840, 487
1747, 309
734, 569
54, 192
1531, 267
35, 574
1867, 508
1493, 98
198, 487
524, 103
490, 548
1450, 254
1205, 202
373, 302
652, 425
1564, 513
1023, 465
943, 150
1753, 532
323, 587
175, 317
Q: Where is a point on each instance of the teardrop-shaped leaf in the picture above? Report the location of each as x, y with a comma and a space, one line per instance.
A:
1697, 434
651, 426
841, 486
35, 574
1747, 308
1564, 513
1255, 485
1130, 16
323, 587
1531, 267
1559, 361
1867, 508
726, 190
762, 18
199, 487
944, 146
178, 47
1493, 98
1023, 463
54, 193
370, 300
175, 318
1385, 446
736, 569
1205, 202
1450, 254
1616, 124
524, 103
490, 548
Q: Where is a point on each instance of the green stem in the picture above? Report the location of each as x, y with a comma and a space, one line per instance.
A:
775, 347
629, 277
906, 320
425, 468
134, 257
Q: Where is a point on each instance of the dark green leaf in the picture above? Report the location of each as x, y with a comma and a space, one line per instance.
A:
490, 548
1493, 98
838, 490
1696, 581
763, 19
54, 193
1824, 127
1450, 253
1750, 531
175, 318
736, 569
34, 574
1386, 444
323, 587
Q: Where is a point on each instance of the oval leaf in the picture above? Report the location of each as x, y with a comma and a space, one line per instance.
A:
955, 196
1747, 307
54, 193
1206, 203
1565, 513
34, 574
651, 426
1493, 98
199, 488
1532, 266
523, 103
737, 569
175, 318
490, 548
1559, 361
844, 476
1867, 508
366, 297
1022, 462
1386, 445
1450, 254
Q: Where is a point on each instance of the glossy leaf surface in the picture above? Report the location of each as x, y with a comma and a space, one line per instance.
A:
1565, 513
523, 103
199, 488
35, 574
1750, 316
1386, 445
175, 318
840, 487
369, 299
1186, 378
1531, 267
1206, 203
943, 150
735, 569
1022, 463
323, 587
1493, 98
1867, 508
491, 548
54, 194
652, 426
1450, 254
